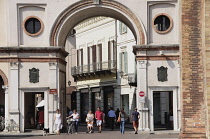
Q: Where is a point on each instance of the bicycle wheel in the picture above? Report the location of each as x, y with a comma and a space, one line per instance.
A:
71, 128
68, 129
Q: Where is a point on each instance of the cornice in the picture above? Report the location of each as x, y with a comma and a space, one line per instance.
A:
33, 50
150, 47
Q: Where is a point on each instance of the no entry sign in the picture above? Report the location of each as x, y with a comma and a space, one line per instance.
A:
141, 94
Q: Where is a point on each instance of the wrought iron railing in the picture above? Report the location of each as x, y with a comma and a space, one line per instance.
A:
94, 67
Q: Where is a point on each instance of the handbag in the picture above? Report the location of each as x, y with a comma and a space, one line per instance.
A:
119, 119
61, 126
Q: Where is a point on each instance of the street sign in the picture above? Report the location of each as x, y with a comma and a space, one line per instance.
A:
141, 99
53, 91
141, 94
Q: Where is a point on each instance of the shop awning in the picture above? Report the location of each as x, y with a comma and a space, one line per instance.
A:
41, 104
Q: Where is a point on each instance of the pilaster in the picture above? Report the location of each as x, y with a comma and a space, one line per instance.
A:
6, 106
14, 93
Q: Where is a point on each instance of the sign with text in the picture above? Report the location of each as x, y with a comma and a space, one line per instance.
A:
53, 91
141, 99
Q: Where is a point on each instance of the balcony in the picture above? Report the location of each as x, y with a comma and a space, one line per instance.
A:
132, 79
94, 68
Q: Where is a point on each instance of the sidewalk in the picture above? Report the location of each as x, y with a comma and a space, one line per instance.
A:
82, 129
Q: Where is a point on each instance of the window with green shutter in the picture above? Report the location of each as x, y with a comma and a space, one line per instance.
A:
122, 28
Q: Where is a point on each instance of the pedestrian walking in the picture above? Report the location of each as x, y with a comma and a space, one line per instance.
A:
99, 115
57, 123
89, 120
135, 118
117, 115
111, 118
75, 117
121, 120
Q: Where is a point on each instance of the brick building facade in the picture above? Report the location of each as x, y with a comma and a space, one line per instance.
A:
195, 68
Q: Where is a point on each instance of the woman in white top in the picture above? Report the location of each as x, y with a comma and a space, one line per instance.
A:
75, 116
58, 121
89, 120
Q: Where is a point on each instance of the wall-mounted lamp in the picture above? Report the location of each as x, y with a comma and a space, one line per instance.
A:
69, 83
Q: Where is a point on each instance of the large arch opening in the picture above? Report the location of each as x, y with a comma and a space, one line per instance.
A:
82, 10
3, 83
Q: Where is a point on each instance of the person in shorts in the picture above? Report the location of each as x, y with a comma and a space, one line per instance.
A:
99, 115
135, 118
89, 120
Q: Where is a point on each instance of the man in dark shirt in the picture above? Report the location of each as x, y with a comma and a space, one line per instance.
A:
135, 118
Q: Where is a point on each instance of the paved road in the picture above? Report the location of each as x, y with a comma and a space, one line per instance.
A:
99, 136
106, 134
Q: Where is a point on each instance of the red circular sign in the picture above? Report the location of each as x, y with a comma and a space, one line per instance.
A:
141, 94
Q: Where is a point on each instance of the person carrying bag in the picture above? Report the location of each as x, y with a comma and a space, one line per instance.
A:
121, 120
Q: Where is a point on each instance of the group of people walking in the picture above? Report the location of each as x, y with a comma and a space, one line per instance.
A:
99, 116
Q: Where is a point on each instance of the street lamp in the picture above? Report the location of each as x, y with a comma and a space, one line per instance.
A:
69, 83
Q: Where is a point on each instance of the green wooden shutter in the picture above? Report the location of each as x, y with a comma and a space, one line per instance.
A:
124, 28
120, 61
126, 62
120, 27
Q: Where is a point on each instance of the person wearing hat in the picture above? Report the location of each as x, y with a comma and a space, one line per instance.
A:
135, 118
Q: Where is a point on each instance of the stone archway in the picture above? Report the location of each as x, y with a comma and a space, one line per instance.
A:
5, 80
82, 10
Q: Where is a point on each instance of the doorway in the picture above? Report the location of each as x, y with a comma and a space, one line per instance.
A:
32, 118
84, 105
163, 110
2, 98
125, 103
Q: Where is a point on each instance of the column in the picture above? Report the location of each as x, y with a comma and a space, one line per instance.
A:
102, 98
14, 93
175, 114
142, 86
90, 99
78, 102
52, 99
5, 87
116, 98
46, 110
178, 97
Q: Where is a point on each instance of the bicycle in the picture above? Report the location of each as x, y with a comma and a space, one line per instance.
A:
70, 126
12, 126
2, 123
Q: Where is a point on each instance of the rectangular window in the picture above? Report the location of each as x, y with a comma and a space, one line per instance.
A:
122, 28
112, 50
123, 61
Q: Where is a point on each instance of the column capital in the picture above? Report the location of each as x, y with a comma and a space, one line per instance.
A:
53, 65
14, 65
142, 64
5, 87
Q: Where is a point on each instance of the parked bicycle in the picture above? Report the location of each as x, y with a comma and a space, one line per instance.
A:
2, 123
70, 126
12, 126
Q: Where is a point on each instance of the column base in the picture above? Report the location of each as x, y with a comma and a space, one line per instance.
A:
146, 129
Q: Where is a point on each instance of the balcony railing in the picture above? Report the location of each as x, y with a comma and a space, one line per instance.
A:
110, 65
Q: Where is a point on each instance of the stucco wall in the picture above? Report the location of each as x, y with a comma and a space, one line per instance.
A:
172, 73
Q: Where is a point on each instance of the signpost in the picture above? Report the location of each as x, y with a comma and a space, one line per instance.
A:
53, 91
141, 97
141, 94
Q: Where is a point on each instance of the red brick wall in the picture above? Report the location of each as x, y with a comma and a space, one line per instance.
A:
193, 81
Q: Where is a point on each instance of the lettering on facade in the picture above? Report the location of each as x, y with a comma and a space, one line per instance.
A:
162, 74
33, 75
